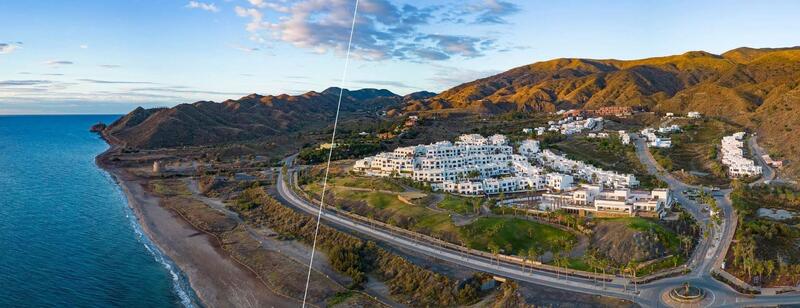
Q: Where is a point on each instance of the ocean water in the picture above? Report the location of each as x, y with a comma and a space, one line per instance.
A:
67, 236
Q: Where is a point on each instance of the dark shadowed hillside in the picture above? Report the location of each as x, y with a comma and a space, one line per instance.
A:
248, 118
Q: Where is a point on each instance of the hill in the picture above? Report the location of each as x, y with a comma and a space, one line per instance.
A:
248, 118
757, 88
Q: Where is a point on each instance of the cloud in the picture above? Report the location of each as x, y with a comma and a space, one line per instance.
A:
448, 76
84, 46
58, 62
109, 66
383, 30
203, 6
271, 5
6, 48
388, 83
17, 83
494, 11
244, 48
183, 90
114, 81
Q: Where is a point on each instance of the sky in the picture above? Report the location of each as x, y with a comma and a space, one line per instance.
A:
110, 56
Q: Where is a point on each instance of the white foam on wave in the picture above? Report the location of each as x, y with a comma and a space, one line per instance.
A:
180, 284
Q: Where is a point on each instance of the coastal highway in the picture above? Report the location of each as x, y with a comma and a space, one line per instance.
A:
615, 288
707, 256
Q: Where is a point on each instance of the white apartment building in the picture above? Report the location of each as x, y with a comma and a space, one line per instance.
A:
733, 157
585, 171
474, 165
616, 202
528, 148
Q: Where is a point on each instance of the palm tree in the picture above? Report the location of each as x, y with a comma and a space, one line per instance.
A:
633, 266
769, 267
532, 255
495, 251
603, 265
622, 269
556, 250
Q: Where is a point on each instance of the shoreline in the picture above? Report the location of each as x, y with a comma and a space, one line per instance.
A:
215, 279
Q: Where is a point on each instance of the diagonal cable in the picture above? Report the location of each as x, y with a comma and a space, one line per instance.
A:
330, 152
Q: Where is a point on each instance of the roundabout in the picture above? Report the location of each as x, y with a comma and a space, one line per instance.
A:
685, 295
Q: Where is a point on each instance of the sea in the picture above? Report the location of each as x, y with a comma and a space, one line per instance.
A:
67, 235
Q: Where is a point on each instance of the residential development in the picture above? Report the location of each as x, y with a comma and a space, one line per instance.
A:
572, 125
476, 165
733, 157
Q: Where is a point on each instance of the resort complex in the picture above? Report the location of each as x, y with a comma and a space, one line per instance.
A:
733, 157
613, 202
477, 166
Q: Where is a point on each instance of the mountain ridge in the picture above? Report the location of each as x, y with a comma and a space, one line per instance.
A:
250, 117
758, 88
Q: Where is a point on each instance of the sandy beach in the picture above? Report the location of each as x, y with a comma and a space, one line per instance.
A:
216, 279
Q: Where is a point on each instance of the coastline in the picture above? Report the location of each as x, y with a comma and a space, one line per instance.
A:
215, 278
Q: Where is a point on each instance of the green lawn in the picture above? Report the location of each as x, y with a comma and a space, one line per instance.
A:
367, 182
513, 235
388, 208
460, 205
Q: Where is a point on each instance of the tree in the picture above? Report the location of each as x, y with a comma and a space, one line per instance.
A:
633, 266
770, 267
495, 251
532, 255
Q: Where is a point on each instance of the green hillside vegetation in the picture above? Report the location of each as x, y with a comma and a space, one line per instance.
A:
756, 88
356, 257
766, 252
694, 155
608, 154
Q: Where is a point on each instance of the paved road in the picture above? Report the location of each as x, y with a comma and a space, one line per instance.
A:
613, 289
707, 256
710, 252
768, 174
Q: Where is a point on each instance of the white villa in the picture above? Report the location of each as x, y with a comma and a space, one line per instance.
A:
733, 157
617, 202
654, 141
573, 125
669, 129
694, 115
624, 137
